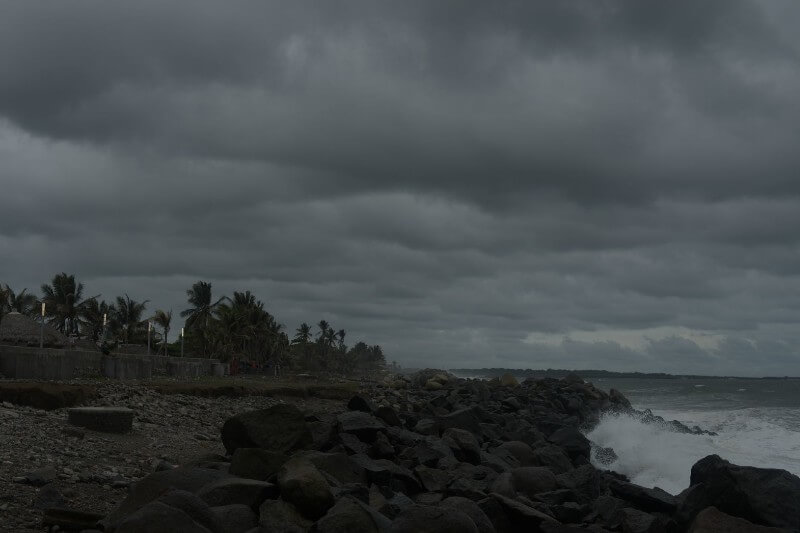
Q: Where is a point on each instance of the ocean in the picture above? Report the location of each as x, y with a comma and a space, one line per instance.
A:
757, 421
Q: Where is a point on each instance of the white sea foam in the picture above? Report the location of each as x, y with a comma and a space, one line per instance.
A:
655, 456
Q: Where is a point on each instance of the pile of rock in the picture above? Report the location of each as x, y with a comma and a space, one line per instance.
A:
466, 456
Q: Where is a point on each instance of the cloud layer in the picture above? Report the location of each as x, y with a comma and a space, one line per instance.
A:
565, 184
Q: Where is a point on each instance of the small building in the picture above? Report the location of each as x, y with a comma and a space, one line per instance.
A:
17, 329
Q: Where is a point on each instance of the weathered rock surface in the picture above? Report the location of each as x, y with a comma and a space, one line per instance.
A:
302, 485
712, 520
280, 428
458, 456
761, 495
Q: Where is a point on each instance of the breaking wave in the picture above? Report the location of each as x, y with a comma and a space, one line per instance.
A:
653, 455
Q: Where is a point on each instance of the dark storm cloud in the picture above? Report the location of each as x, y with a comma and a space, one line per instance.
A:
601, 184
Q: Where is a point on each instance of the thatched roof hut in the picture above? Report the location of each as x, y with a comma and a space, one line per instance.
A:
22, 330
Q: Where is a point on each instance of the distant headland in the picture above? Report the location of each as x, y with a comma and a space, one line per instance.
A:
588, 374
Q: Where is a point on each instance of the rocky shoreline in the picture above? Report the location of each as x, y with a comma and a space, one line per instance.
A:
429, 452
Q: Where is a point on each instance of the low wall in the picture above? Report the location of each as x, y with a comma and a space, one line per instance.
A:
126, 367
48, 363
54, 364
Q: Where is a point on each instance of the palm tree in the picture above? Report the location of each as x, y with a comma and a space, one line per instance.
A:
164, 319
302, 334
63, 302
3, 302
199, 316
341, 334
22, 303
129, 315
93, 315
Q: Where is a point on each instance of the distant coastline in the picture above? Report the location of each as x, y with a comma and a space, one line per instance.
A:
589, 374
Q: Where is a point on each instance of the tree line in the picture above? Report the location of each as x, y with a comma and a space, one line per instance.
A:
227, 328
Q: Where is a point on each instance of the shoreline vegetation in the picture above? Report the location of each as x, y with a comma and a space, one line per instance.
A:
236, 328
590, 374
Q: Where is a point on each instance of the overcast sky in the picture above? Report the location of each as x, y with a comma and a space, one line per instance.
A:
571, 184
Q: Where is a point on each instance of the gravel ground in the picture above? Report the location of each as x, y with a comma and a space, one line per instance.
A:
92, 470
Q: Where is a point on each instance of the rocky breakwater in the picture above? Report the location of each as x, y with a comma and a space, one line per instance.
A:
459, 456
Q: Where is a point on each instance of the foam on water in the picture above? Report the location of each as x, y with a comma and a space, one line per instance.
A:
651, 455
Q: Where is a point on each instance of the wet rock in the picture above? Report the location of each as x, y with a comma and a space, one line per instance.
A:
302, 485
712, 520
517, 453
651, 500
236, 518
524, 517
362, 425
636, 521
193, 506
432, 385
388, 415
572, 442
531, 480
360, 403
472, 510
552, 457
190, 479
760, 495
464, 445
278, 515
157, 517
234, 490
422, 519
280, 428
255, 463
508, 380
338, 465
433, 479
350, 515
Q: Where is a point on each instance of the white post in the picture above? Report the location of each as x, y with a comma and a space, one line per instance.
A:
41, 332
149, 327
181, 342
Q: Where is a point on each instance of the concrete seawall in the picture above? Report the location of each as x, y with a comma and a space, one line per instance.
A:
52, 364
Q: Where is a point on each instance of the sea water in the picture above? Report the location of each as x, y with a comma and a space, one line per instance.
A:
757, 424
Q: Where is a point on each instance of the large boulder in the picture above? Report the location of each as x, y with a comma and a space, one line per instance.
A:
464, 445
157, 517
472, 510
279, 428
763, 496
531, 480
184, 478
278, 515
424, 519
236, 518
646, 499
712, 520
362, 425
235, 490
351, 516
175, 510
572, 441
255, 463
303, 486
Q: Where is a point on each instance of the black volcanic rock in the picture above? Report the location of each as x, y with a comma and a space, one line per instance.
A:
761, 495
280, 428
